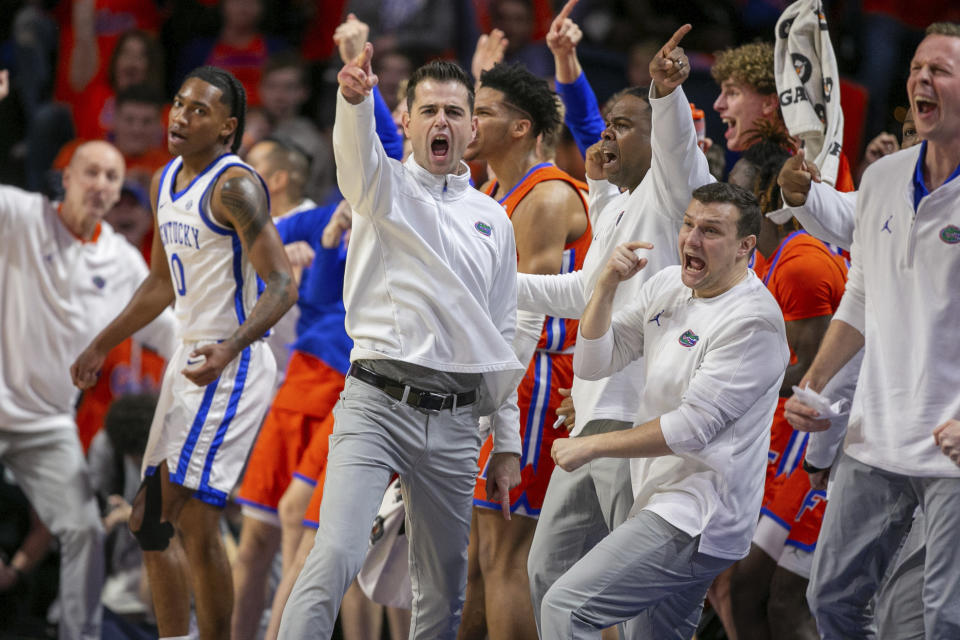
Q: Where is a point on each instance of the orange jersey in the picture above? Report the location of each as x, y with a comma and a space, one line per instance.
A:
129, 368
807, 280
844, 175
805, 277
558, 334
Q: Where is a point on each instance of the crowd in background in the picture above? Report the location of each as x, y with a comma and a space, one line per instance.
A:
75, 65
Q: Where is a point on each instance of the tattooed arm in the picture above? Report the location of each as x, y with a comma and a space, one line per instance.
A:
239, 201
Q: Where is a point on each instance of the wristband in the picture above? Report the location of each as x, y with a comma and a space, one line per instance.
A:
809, 468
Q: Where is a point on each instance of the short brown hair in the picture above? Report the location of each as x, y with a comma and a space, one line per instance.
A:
746, 203
441, 71
944, 29
751, 64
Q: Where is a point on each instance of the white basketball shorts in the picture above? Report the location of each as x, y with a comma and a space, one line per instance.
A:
205, 433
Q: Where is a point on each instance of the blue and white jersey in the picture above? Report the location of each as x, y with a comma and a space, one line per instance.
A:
215, 284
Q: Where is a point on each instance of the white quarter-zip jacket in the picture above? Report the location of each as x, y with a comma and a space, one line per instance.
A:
56, 294
652, 212
713, 372
431, 269
903, 294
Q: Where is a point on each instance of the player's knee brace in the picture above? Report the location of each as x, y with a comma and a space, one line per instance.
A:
153, 534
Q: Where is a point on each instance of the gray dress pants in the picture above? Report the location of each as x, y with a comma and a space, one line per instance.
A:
435, 454
646, 573
899, 606
869, 513
579, 509
50, 469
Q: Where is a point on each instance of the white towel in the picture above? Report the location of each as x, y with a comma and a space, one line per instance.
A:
808, 84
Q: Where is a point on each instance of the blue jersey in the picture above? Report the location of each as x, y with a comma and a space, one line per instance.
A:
582, 116
320, 329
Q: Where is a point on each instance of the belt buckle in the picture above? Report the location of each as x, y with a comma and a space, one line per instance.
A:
432, 396
412, 397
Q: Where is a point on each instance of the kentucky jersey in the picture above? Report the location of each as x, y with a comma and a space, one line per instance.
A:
214, 282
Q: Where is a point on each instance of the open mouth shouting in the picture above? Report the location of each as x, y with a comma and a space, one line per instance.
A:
610, 157
731, 131
693, 265
440, 148
924, 107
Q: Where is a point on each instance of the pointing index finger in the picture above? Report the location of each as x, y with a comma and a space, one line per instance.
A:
364, 56
565, 12
675, 39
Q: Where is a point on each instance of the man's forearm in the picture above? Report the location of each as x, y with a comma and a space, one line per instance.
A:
642, 441
567, 67
841, 342
279, 295
677, 163
595, 321
360, 158
148, 301
559, 295
828, 215
583, 116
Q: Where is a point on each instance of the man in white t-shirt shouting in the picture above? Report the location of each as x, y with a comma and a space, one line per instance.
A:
716, 350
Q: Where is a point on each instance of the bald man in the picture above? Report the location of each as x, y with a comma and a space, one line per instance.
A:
66, 274
285, 168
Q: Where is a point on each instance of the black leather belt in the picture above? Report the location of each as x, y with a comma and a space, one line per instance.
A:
418, 398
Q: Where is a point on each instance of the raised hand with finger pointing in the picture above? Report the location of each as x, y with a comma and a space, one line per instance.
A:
795, 178
562, 39
670, 67
356, 78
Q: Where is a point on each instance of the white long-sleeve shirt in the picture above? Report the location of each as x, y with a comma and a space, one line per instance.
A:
903, 295
431, 270
828, 214
713, 372
652, 212
56, 294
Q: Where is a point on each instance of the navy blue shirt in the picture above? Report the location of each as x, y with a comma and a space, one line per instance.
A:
919, 186
320, 329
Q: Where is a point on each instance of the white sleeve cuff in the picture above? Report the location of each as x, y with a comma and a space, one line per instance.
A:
851, 310
592, 359
683, 429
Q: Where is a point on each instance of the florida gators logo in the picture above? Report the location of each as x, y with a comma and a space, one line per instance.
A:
689, 338
483, 228
950, 234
